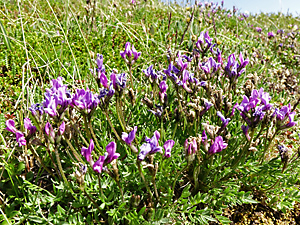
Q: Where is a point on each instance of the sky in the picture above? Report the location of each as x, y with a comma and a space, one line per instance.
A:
257, 6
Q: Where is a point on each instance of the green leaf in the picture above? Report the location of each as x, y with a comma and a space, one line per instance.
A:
36, 219
223, 219
60, 210
2, 122
142, 211
6, 40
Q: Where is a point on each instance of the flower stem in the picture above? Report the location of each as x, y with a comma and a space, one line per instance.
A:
118, 107
99, 181
77, 156
112, 127
52, 160
93, 135
143, 178
88, 133
95, 204
62, 172
35, 154
130, 74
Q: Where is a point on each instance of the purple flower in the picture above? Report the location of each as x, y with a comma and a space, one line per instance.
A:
168, 145
187, 58
129, 52
186, 77
207, 106
217, 146
118, 80
243, 62
291, 122
283, 112
271, 34
128, 138
158, 110
49, 131
180, 62
203, 40
282, 151
99, 61
10, 126
85, 100
245, 131
190, 146
245, 15
251, 112
224, 121
163, 89
233, 109
150, 72
204, 137
145, 150
62, 128
103, 79
50, 104
20, 138
170, 70
136, 54
211, 66
86, 152
258, 29
249, 103
150, 147
36, 108
280, 31
98, 165
108, 157
110, 153
28, 125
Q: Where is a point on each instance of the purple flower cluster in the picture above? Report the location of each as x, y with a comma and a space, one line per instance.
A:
234, 69
217, 146
150, 72
204, 41
182, 77
283, 115
104, 160
85, 100
254, 108
152, 146
128, 138
271, 34
129, 52
211, 66
258, 29
10, 126
190, 146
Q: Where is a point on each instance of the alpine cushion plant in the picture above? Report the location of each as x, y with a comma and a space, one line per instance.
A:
224, 124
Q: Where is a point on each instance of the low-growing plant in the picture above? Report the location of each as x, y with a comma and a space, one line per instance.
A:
177, 141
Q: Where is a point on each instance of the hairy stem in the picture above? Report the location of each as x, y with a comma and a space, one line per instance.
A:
35, 154
112, 127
